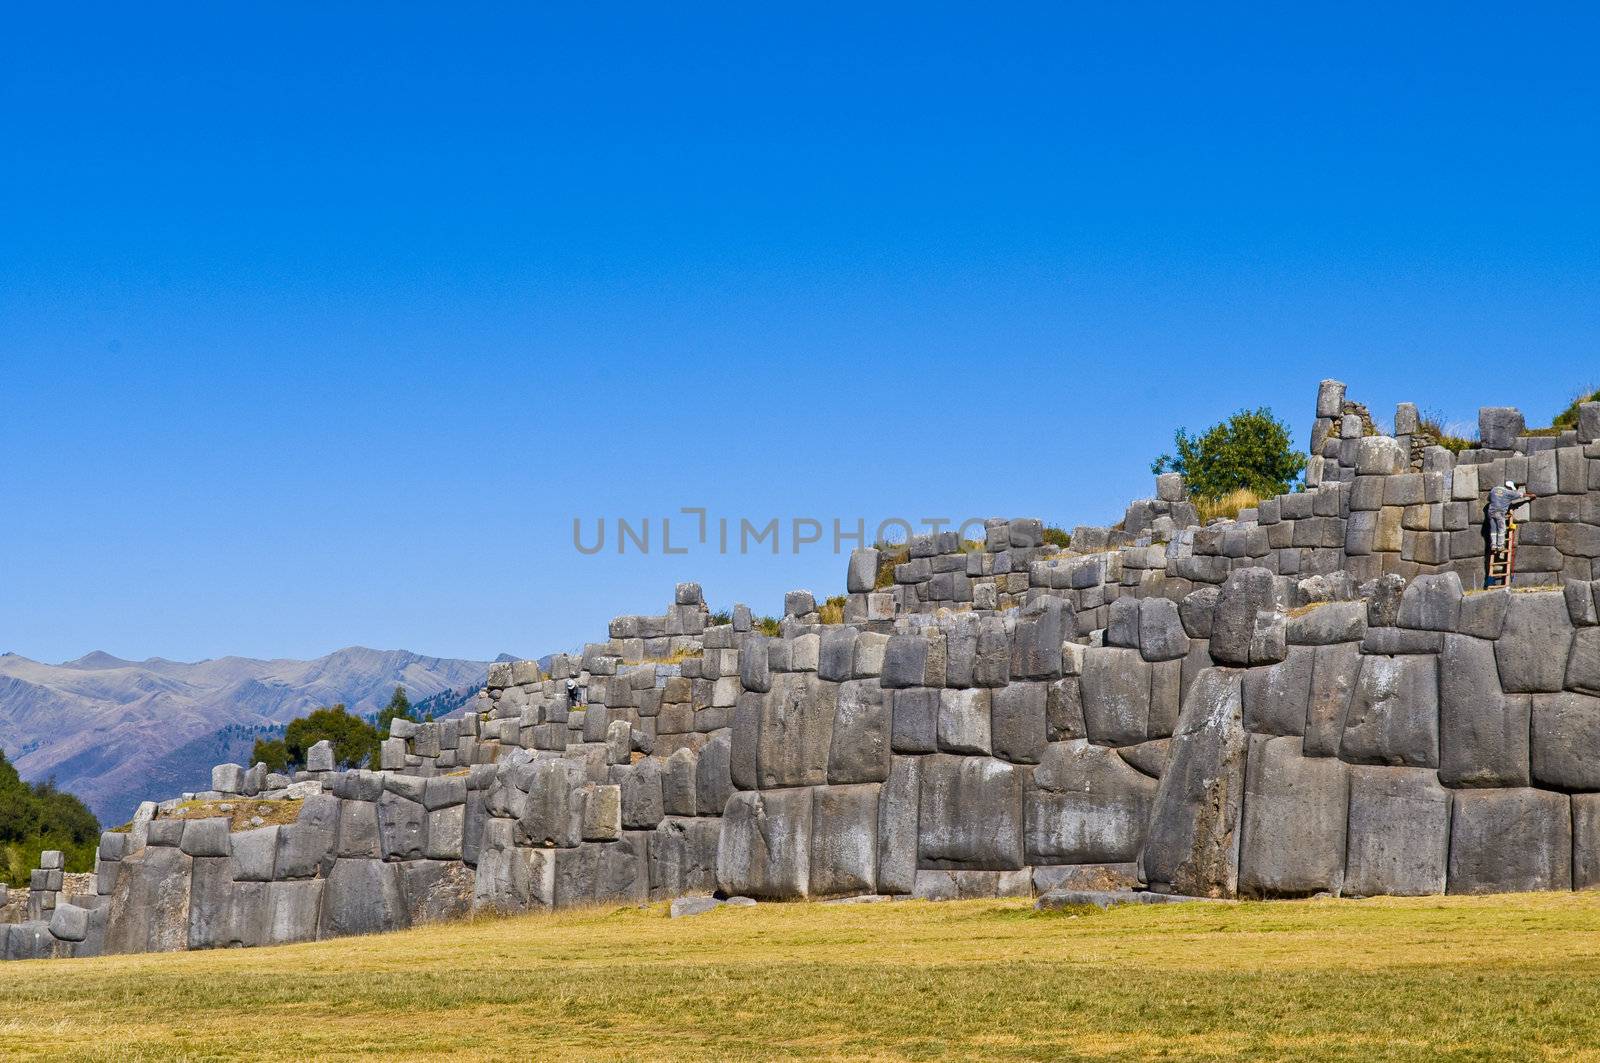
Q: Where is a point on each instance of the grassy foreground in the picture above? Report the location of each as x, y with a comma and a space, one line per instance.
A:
1512, 977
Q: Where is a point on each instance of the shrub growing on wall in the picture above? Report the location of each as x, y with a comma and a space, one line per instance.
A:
1249, 451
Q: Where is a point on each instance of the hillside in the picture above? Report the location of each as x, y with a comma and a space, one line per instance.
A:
995, 980
109, 730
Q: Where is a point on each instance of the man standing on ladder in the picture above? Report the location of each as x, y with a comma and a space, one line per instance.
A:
1502, 500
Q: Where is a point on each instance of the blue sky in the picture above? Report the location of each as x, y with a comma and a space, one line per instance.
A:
319, 324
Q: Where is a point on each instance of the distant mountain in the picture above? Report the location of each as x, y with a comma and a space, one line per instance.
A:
115, 732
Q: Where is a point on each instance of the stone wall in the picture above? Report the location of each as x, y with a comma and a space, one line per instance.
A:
1312, 698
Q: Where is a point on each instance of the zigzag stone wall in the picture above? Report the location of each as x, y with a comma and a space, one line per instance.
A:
1313, 698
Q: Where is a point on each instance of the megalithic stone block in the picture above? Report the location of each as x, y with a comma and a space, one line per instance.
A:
859, 746
796, 731
1483, 732
1193, 842
320, 756
306, 846
150, 906
713, 775
1586, 837
1086, 805
1399, 833
1510, 841
363, 897
682, 855
1566, 741
844, 840
1245, 593
1276, 697
764, 849
1116, 695
1393, 717
898, 802
678, 789
1295, 809
970, 813
1533, 646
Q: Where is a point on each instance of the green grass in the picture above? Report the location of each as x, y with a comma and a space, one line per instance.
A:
1514, 978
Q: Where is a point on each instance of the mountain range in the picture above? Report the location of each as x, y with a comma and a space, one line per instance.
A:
115, 732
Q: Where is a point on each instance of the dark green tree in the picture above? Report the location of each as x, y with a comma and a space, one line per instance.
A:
355, 741
1250, 449
35, 817
272, 752
399, 708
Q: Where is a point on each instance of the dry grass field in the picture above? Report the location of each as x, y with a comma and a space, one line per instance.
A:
1513, 977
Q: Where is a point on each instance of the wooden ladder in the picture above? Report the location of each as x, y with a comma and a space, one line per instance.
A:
1502, 563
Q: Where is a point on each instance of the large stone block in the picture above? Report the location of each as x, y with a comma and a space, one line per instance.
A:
1019, 721
764, 849
1483, 733
754, 664
964, 721
1583, 661
683, 857
796, 731
576, 875
1510, 841
1116, 695
622, 869
1245, 593
970, 813
363, 897
906, 662
1193, 841
1586, 836
436, 890
859, 749
445, 832
1566, 741
306, 846
1086, 805
1431, 603
255, 854
1293, 834
1499, 426
207, 837
679, 792
359, 834
898, 801
1334, 670
512, 878
553, 814
914, 719
1277, 697
223, 914
713, 774
1399, 833
643, 800
149, 909
1393, 716
1325, 623
1533, 646
844, 840
1042, 625
402, 827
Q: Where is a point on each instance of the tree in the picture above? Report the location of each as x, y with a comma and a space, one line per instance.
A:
272, 752
399, 708
1249, 450
35, 817
355, 741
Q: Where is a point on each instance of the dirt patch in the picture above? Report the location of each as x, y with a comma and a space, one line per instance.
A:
244, 813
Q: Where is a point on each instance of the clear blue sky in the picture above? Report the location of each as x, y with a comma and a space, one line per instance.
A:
320, 323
